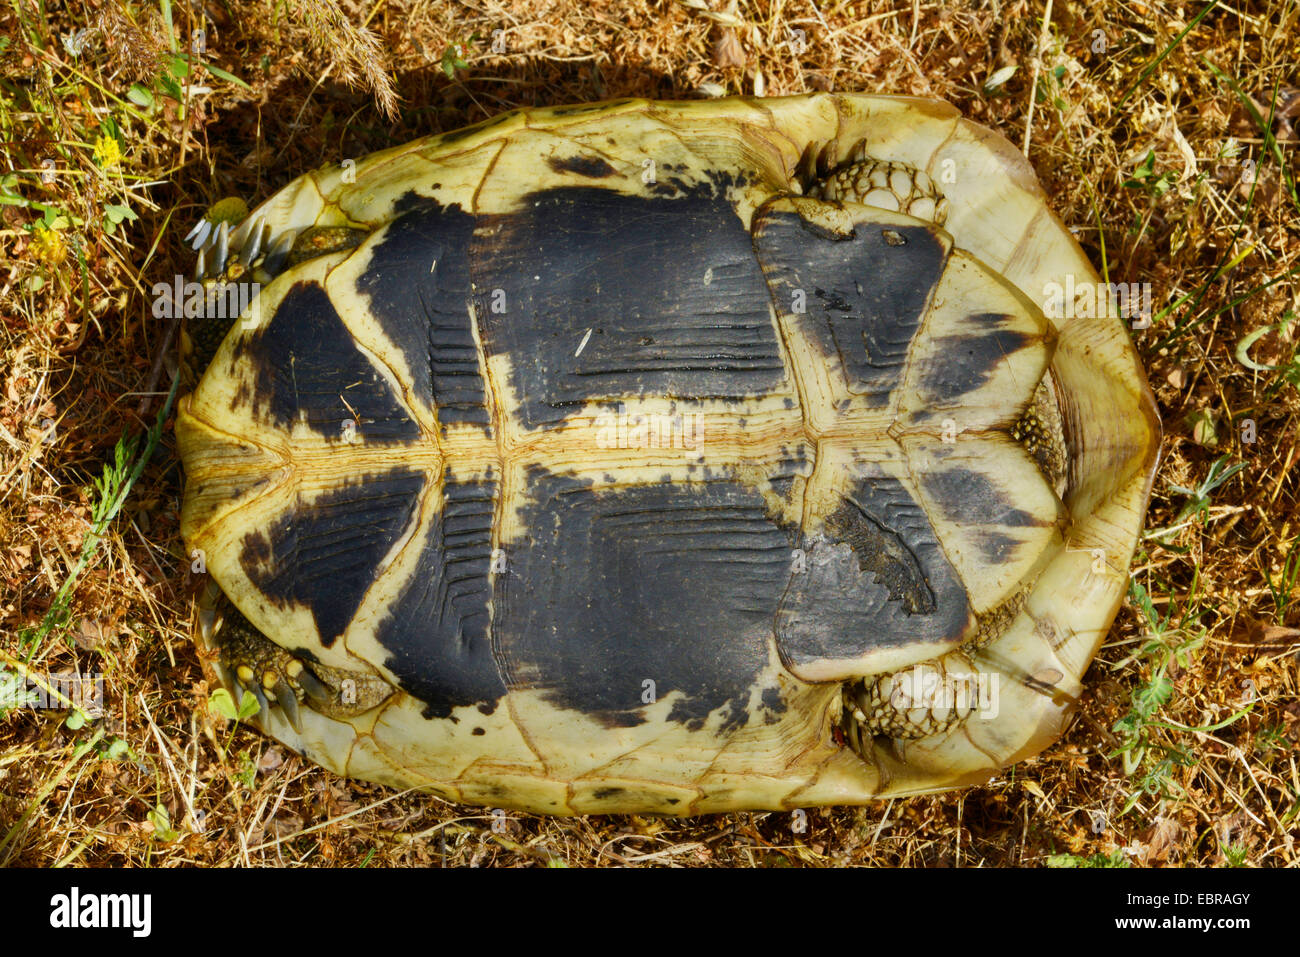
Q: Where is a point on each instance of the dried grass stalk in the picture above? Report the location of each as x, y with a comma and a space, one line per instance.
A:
356, 52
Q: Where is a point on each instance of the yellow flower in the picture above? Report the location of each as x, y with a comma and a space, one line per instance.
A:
49, 247
107, 151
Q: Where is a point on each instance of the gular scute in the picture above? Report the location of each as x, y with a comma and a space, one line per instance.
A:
418, 285
601, 611
668, 289
324, 553
875, 577
307, 369
438, 632
861, 297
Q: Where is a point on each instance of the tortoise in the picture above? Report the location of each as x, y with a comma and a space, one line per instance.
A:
663, 457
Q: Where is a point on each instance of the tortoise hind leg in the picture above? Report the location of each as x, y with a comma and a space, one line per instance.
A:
272, 674
884, 184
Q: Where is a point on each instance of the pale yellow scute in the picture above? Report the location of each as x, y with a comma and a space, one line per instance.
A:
223, 472
978, 357
996, 518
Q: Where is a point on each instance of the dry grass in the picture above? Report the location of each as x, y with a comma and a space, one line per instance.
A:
1162, 767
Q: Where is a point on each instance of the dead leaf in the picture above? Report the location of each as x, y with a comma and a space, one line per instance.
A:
1160, 843
89, 634
727, 51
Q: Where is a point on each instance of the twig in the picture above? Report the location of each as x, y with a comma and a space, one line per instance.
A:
1033, 78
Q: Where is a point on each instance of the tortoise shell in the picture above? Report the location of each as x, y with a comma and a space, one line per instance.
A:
666, 457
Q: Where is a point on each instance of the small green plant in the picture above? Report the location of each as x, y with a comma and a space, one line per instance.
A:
1115, 858
247, 772
1197, 506
1145, 178
221, 702
177, 68
1145, 745
162, 824
1235, 854
114, 749
1139, 748
111, 490
1287, 371
453, 58
1271, 738
14, 692
1286, 581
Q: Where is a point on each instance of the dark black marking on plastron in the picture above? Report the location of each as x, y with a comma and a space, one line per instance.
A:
592, 167
793, 465
411, 200
307, 368
418, 284
576, 259
865, 297
438, 631
965, 363
610, 588
970, 499
874, 577
323, 553
773, 705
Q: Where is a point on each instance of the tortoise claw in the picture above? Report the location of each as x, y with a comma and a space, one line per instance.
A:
199, 234
278, 677
315, 688
223, 248
279, 253
253, 244
287, 700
